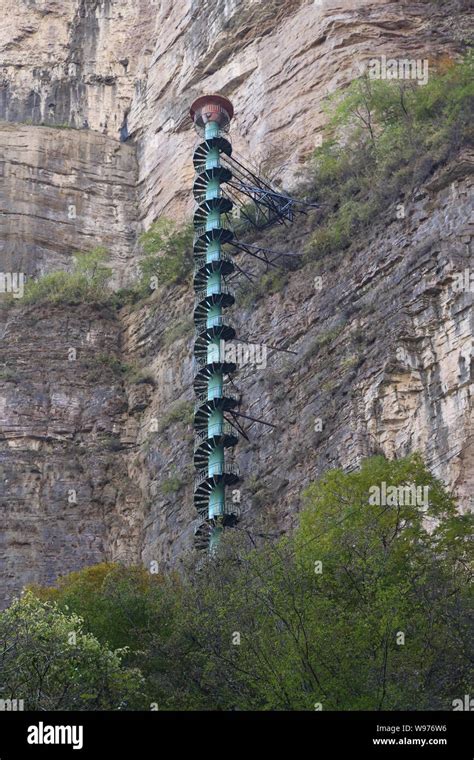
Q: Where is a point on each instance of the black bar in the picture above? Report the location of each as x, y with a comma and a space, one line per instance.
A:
324, 734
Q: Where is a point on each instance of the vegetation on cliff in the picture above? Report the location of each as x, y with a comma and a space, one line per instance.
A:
364, 607
168, 253
87, 283
382, 139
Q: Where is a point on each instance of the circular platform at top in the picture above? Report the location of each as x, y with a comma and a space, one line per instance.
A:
208, 108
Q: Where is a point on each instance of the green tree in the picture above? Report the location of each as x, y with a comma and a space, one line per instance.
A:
365, 608
127, 608
168, 253
399, 574
48, 660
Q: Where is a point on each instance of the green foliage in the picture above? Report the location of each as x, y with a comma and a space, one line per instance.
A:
173, 484
8, 375
323, 339
350, 362
110, 442
180, 411
312, 618
51, 125
47, 659
168, 253
94, 592
382, 139
64, 125
332, 637
390, 575
87, 283
267, 284
130, 609
137, 376
107, 366
130, 296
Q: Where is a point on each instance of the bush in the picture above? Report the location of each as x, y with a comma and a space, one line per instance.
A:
267, 284
319, 614
168, 251
173, 484
180, 411
8, 375
125, 608
110, 443
49, 661
87, 283
93, 593
105, 365
138, 376
382, 139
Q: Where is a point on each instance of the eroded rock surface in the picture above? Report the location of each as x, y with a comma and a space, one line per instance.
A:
66, 500
65, 191
95, 140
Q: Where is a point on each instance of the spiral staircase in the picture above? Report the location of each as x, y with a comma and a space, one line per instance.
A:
214, 435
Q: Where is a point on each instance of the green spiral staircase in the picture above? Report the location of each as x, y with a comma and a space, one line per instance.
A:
214, 435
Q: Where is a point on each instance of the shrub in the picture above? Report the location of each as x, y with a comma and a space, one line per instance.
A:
269, 283
173, 484
382, 139
110, 443
49, 661
168, 253
8, 375
87, 283
329, 635
322, 340
130, 296
106, 367
137, 376
180, 411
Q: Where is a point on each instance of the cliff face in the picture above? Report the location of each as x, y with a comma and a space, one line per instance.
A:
71, 62
129, 69
92, 463
65, 191
65, 495
276, 60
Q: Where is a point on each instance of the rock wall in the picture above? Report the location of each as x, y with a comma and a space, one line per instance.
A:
65, 497
276, 61
95, 143
129, 69
72, 62
382, 365
65, 191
